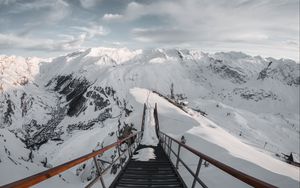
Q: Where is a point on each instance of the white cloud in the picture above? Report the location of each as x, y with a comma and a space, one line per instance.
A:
263, 23
7, 2
64, 42
89, 3
112, 17
162, 35
92, 31
54, 10
40, 44
116, 43
258, 18
250, 37
59, 11
236, 24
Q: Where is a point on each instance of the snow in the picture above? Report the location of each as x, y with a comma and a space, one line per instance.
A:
15, 70
295, 158
246, 133
209, 138
213, 133
119, 56
149, 135
157, 60
81, 142
144, 154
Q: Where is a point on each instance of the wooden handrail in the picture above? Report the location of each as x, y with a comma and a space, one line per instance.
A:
250, 180
39, 177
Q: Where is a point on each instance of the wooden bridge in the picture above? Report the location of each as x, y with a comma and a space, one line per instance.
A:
160, 172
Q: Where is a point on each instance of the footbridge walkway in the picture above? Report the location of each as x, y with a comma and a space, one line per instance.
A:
160, 172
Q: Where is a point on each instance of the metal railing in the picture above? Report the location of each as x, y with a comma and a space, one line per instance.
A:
155, 115
132, 141
143, 118
167, 141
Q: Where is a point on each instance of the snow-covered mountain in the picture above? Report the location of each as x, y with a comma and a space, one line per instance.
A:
57, 109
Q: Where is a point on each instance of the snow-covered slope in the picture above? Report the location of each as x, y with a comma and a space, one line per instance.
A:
61, 108
211, 139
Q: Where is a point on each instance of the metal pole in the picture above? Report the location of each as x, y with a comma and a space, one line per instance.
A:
165, 140
178, 153
99, 169
197, 172
143, 118
121, 163
140, 137
156, 120
169, 142
170, 148
129, 150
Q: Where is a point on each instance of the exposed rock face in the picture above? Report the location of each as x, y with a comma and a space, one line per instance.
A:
235, 75
45, 104
26, 103
10, 107
263, 74
75, 94
35, 134
285, 72
75, 97
73, 89
256, 95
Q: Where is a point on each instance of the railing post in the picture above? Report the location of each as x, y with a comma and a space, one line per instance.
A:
197, 172
136, 141
165, 139
129, 150
138, 138
168, 145
170, 148
99, 170
143, 118
178, 153
156, 120
121, 163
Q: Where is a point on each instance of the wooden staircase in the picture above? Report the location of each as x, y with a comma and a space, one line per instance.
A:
158, 172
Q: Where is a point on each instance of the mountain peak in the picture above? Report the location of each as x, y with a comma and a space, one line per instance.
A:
119, 55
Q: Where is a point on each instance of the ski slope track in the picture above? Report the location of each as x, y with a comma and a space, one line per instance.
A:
54, 110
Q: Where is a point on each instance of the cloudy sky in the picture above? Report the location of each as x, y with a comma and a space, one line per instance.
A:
51, 27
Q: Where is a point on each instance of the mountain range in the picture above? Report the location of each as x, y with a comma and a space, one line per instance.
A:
53, 110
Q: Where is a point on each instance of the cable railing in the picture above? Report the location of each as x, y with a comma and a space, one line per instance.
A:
132, 141
166, 143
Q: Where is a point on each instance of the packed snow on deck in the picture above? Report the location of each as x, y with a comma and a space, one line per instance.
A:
149, 138
209, 138
144, 154
149, 135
